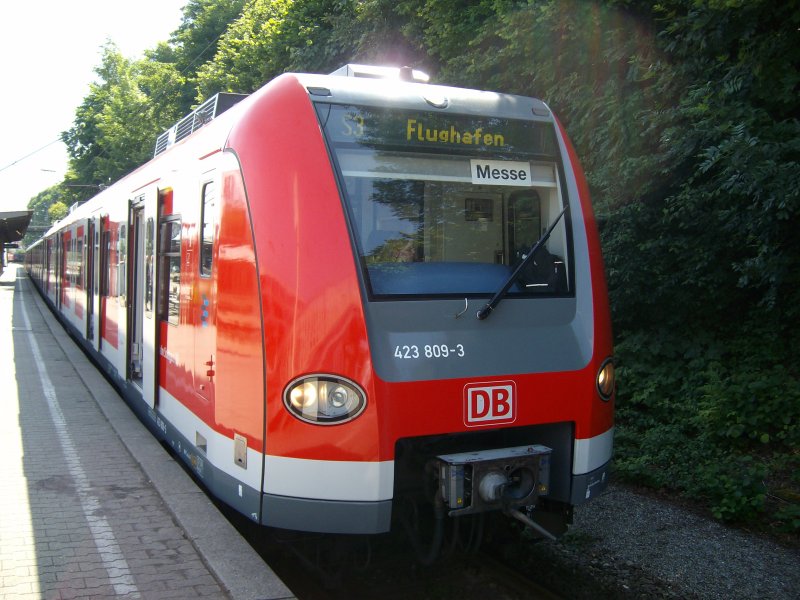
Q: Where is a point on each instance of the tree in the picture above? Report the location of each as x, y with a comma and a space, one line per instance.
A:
276, 36
248, 54
195, 43
111, 125
41, 220
57, 211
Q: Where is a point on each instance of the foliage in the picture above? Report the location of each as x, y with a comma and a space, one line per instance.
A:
687, 119
271, 37
40, 205
714, 419
57, 211
196, 42
248, 51
196, 39
115, 126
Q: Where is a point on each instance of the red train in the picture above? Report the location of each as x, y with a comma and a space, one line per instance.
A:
345, 295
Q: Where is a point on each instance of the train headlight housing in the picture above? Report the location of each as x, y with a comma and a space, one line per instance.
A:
324, 399
606, 379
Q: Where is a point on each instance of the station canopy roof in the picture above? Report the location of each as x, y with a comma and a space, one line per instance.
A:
13, 225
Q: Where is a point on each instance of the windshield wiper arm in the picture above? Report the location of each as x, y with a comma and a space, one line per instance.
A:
501, 293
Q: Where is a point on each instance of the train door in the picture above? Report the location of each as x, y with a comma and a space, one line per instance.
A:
96, 278
204, 305
79, 272
59, 264
54, 287
91, 276
65, 277
167, 287
135, 337
46, 273
150, 323
88, 244
103, 291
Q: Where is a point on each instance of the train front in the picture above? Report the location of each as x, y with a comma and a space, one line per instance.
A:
437, 329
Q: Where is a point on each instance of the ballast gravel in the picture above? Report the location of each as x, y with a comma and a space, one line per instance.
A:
625, 544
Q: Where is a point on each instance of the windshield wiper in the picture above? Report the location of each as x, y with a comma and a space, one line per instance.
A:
501, 293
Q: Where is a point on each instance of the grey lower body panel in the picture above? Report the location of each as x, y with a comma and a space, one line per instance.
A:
326, 516
589, 485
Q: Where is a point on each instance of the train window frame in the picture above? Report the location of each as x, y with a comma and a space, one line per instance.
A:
105, 274
372, 147
384, 276
169, 263
149, 271
122, 264
96, 257
79, 260
208, 225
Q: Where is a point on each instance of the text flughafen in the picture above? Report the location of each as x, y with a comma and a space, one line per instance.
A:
417, 131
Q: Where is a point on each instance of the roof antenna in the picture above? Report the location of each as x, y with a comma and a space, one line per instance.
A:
406, 74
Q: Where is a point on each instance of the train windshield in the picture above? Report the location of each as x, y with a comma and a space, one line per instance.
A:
444, 205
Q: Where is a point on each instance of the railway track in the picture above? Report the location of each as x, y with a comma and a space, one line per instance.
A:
319, 567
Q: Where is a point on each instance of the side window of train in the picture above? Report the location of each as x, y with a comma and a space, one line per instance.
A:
169, 267
106, 249
79, 258
209, 223
122, 253
149, 237
96, 257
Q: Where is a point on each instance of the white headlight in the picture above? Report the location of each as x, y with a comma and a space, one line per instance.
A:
324, 399
606, 379
303, 397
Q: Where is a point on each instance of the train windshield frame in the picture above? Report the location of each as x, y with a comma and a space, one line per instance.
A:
444, 205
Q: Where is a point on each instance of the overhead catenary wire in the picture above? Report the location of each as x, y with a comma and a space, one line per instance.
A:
21, 158
102, 151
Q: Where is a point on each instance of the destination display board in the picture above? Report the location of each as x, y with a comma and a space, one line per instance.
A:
392, 128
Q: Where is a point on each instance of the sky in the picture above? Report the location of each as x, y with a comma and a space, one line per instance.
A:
48, 52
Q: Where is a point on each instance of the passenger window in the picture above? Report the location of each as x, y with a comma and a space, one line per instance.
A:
79, 258
148, 268
122, 253
169, 292
105, 275
209, 224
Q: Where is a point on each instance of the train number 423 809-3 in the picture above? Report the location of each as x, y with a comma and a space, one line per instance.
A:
429, 351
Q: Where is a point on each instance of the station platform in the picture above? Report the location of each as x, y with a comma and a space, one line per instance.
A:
91, 505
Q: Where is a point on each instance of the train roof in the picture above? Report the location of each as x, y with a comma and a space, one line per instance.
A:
403, 87
417, 95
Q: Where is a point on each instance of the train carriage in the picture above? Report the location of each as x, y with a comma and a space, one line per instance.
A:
353, 290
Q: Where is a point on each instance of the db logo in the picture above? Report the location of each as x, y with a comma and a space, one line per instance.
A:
490, 403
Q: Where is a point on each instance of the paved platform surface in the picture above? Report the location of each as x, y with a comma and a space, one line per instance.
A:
91, 506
